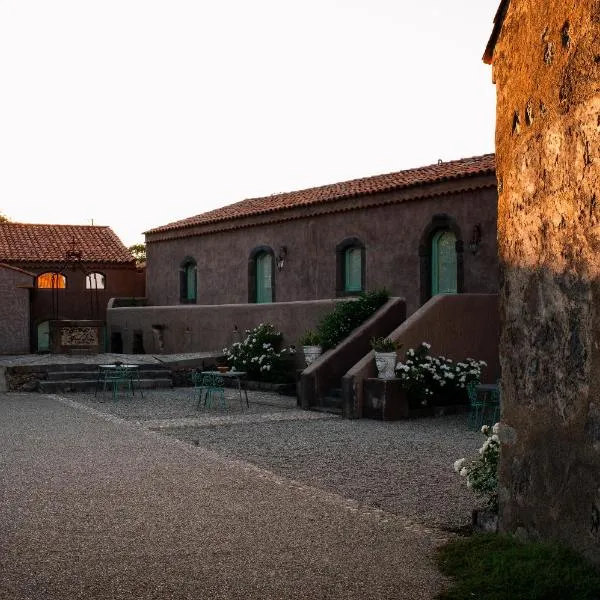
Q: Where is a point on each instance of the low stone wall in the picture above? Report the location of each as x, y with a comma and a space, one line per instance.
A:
181, 329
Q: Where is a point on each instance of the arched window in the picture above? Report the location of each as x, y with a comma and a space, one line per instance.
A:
261, 276
51, 281
443, 263
188, 283
94, 281
350, 272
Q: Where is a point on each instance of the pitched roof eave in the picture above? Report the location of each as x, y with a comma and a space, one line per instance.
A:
333, 193
488, 55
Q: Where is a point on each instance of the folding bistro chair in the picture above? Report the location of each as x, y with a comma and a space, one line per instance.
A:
117, 378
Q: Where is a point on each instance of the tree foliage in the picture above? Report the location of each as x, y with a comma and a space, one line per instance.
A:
139, 253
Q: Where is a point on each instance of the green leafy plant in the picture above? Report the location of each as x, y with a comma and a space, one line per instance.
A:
310, 338
482, 472
384, 344
347, 315
261, 356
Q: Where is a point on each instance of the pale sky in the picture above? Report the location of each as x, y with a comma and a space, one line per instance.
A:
137, 113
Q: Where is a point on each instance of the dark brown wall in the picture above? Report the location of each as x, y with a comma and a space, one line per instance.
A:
75, 302
546, 70
391, 231
14, 311
192, 328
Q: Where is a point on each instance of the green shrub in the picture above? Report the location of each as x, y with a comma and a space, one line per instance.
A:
347, 316
384, 344
310, 338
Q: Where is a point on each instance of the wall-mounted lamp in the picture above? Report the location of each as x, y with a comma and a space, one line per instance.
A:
475, 239
281, 257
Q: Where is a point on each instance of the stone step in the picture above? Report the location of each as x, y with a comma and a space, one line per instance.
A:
92, 374
88, 385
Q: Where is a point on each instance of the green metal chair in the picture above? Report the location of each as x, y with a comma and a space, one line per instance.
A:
117, 378
494, 404
477, 407
209, 386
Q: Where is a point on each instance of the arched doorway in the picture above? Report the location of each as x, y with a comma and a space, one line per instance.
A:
444, 278
264, 280
441, 258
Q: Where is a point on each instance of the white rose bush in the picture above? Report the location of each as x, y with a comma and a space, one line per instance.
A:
482, 472
424, 376
261, 356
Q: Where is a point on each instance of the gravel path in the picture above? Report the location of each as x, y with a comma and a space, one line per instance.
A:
95, 506
404, 467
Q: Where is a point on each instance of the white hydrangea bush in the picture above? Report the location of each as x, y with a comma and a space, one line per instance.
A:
260, 354
482, 473
424, 375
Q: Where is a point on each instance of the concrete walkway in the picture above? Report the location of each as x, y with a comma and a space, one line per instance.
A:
96, 507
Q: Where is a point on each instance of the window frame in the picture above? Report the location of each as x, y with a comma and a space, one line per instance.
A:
253, 258
342, 251
52, 274
88, 279
187, 267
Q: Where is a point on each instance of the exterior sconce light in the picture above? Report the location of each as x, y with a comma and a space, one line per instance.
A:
281, 257
475, 239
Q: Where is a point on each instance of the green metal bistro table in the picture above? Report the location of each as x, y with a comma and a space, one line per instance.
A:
238, 377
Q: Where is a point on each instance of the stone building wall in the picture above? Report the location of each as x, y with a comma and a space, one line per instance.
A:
14, 310
392, 226
546, 67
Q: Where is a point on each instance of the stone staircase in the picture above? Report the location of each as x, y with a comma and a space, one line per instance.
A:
84, 378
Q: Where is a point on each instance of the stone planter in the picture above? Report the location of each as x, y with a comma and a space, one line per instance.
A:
485, 521
386, 364
311, 353
384, 399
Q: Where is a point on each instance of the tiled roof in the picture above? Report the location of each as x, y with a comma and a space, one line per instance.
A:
441, 171
30, 243
488, 55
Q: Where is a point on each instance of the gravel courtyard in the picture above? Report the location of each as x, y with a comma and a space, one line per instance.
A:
401, 467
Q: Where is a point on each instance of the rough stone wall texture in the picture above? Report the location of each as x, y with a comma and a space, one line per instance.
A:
546, 70
390, 226
14, 311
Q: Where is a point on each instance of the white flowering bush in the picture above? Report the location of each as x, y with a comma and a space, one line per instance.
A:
423, 376
482, 473
261, 355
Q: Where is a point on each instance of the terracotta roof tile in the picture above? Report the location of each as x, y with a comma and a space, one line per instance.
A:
30, 242
442, 171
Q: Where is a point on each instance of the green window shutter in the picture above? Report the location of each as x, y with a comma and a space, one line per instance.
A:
443, 263
353, 270
190, 283
264, 284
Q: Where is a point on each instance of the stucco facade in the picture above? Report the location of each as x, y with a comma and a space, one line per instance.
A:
394, 227
546, 71
15, 287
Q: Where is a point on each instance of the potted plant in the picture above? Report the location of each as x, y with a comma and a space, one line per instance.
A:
385, 356
311, 346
